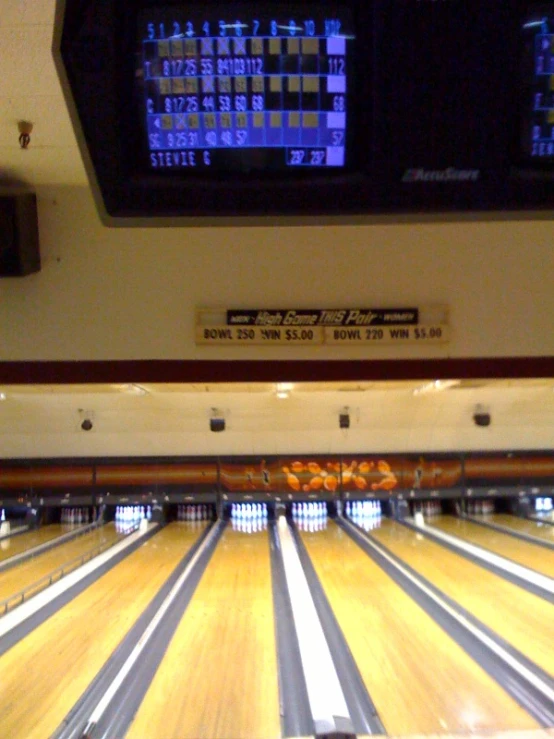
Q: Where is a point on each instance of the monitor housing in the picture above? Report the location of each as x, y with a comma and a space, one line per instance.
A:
348, 108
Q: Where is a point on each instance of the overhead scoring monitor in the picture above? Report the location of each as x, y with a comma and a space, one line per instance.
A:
261, 91
346, 108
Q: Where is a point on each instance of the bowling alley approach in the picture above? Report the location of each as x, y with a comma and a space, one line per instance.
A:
287, 596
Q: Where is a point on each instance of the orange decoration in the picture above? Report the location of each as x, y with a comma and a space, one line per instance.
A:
292, 481
297, 467
314, 468
360, 482
316, 482
365, 466
330, 483
346, 476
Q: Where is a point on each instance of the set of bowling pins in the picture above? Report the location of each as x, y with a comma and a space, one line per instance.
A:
246, 511
195, 512
431, 508
311, 510
480, 506
76, 515
310, 516
249, 517
543, 505
363, 508
132, 513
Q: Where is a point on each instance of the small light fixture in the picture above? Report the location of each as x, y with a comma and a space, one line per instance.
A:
481, 416
344, 419
25, 129
132, 388
86, 419
217, 421
3, 396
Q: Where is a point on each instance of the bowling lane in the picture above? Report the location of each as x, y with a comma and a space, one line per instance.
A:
23, 542
521, 525
524, 553
32, 570
522, 619
420, 680
218, 678
45, 673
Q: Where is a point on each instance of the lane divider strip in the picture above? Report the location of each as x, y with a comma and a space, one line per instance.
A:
145, 638
525, 573
325, 695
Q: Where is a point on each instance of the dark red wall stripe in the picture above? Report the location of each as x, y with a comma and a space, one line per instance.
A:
168, 371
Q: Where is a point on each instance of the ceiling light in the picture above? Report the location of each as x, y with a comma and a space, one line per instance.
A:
133, 389
282, 389
436, 386
3, 396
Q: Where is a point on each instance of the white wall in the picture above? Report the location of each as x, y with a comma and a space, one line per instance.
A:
131, 293
173, 423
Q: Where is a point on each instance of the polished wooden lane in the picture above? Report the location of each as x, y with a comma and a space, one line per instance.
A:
44, 674
218, 678
420, 680
31, 539
522, 619
532, 734
521, 525
32, 570
529, 555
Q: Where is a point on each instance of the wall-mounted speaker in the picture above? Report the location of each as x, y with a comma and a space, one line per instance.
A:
217, 425
19, 242
344, 421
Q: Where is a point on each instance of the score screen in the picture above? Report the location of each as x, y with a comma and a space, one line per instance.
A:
244, 94
538, 134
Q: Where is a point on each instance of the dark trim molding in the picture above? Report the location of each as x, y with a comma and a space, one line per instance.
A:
167, 371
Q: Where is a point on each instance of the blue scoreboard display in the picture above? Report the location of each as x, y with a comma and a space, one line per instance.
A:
538, 133
257, 92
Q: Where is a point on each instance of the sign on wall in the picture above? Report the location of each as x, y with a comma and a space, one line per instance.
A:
334, 327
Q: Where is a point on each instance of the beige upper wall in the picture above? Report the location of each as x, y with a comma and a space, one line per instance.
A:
131, 293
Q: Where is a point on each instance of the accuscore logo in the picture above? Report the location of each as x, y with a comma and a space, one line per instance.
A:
441, 175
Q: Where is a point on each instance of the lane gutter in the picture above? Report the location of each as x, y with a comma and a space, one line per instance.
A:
361, 709
529, 538
108, 706
17, 559
530, 686
9, 636
530, 580
296, 718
